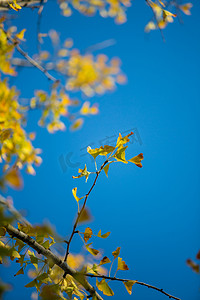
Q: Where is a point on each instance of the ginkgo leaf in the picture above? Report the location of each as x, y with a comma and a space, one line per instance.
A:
74, 191
137, 160
5, 134
104, 236
104, 287
123, 140
20, 35
13, 178
120, 154
186, 8
21, 271
195, 267
100, 151
116, 252
106, 168
91, 250
129, 284
84, 172
121, 265
105, 260
87, 234
77, 124
85, 216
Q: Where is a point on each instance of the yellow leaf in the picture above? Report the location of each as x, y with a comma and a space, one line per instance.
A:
104, 236
84, 172
150, 26
87, 234
104, 287
116, 252
20, 35
137, 160
5, 134
74, 190
77, 124
100, 151
21, 271
123, 140
105, 260
85, 216
120, 154
129, 284
121, 265
186, 8
91, 250
13, 178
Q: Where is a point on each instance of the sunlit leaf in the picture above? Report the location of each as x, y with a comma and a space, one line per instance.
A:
129, 284
84, 172
137, 160
104, 287
74, 191
87, 234
20, 35
105, 260
91, 250
116, 252
104, 236
120, 154
121, 265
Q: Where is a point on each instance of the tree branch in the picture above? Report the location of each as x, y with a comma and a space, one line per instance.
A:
136, 282
13, 232
30, 59
82, 209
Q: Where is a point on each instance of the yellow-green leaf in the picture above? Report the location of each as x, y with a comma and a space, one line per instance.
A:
84, 172
123, 140
137, 160
105, 260
21, 271
74, 191
87, 234
129, 284
120, 154
104, 287
121, 265
104, 236
85, 216
116, 252
13, 178
91, 250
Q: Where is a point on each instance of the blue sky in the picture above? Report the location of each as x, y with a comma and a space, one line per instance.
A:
153, 212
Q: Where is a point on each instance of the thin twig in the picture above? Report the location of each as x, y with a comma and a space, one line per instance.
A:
30, 59
82, 209
136, 282
13, 211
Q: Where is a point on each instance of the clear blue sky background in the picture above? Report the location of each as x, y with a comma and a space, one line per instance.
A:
153, 212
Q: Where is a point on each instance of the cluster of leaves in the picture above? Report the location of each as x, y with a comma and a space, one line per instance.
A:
106, 8
195, 266
163, 16
16, 148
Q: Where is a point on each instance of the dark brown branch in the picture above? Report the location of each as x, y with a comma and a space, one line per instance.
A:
82, 209
13, 232
136, 282
31, 60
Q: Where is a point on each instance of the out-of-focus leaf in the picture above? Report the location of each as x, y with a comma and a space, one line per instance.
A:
13, 178
104, 236
87, 234
91, 250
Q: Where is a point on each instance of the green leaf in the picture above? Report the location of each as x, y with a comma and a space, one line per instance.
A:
91, 250
46, 244
104, 287
129, 284
116, 252
137, 160
106, 168
121, 265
